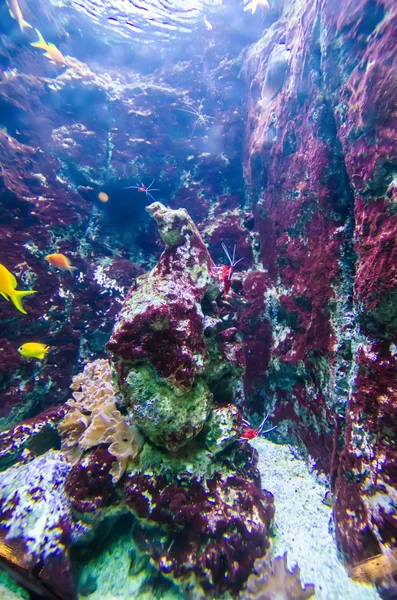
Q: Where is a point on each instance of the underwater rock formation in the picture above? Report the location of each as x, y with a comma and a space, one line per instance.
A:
213, 527
364, 108
162, 442
163, 357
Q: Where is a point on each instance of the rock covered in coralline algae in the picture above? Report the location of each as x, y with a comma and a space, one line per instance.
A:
212, 528
158, 346
35, 525
320, 160
360, 68
211, 517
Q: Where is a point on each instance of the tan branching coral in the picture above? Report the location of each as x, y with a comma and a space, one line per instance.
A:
100, 425
274, 581
94, 419
125, 444
71, 429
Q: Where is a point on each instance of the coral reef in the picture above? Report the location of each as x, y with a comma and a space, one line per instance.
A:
65, 136
194, 492
296, 165
212, 517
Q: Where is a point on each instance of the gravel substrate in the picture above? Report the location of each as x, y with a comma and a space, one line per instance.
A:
304, 524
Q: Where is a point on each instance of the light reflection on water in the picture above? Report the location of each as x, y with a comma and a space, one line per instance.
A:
149, 19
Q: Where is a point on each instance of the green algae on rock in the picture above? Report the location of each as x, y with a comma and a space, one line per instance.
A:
167, 418
160, 353
224, 426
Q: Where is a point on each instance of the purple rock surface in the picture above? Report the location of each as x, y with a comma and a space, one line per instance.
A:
279, 140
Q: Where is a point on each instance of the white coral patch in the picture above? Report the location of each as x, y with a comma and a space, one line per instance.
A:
105, 282
35, 497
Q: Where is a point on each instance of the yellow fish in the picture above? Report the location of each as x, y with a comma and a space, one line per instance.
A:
207, 23
51, 51
8, 290
16, 14
33, 350
255, 3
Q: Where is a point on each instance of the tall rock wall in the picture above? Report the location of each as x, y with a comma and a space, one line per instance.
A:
321, 165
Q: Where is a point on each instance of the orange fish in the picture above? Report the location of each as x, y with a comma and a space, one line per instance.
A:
103, 197
60, 261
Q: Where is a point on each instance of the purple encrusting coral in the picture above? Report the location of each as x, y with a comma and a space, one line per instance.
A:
214, 530
161, 320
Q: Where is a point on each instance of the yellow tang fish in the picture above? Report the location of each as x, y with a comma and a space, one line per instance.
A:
8, 290
16, 13
33, 350
51, 51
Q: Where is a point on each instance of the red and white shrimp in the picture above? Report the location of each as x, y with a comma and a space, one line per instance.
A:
251, 434
144, 189
225, 273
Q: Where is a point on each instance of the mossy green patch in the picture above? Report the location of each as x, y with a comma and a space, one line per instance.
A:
191, 460
168, 416
221, 428
9, 587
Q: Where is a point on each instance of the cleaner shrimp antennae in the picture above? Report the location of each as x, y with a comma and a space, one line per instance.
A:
144, 189
202, 119
260, 428
233, 262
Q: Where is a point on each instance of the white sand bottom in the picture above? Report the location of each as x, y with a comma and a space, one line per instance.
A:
303, 524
